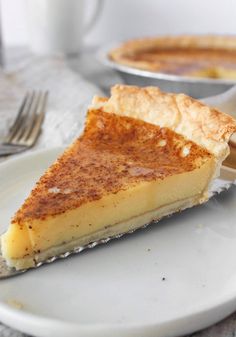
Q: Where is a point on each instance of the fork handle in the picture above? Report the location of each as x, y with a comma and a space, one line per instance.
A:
6, 150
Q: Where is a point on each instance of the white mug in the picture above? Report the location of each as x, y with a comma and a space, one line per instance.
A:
59, 25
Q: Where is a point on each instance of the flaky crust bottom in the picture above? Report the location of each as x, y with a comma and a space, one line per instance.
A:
108, 232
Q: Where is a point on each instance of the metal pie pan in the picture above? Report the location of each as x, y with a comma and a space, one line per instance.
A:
193, 86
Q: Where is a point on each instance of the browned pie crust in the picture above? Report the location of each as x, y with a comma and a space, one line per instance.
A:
185, 115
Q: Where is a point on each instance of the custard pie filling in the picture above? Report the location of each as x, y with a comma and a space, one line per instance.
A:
143, 154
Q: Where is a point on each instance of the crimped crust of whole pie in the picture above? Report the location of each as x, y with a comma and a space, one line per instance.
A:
200, 55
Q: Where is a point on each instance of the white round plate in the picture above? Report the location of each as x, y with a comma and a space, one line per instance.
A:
169, 279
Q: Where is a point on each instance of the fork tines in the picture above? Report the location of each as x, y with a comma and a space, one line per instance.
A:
27, 125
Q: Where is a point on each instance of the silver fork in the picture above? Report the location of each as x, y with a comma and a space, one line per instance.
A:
27, 126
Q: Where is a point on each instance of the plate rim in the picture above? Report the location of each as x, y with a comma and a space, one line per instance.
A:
10, 314
30, 153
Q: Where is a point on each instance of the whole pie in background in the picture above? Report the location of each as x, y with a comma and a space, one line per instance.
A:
207, 56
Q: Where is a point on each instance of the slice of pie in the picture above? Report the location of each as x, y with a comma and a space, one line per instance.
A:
144, 154
197, 56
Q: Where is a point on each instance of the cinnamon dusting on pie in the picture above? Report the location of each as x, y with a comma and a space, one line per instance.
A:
106, 160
